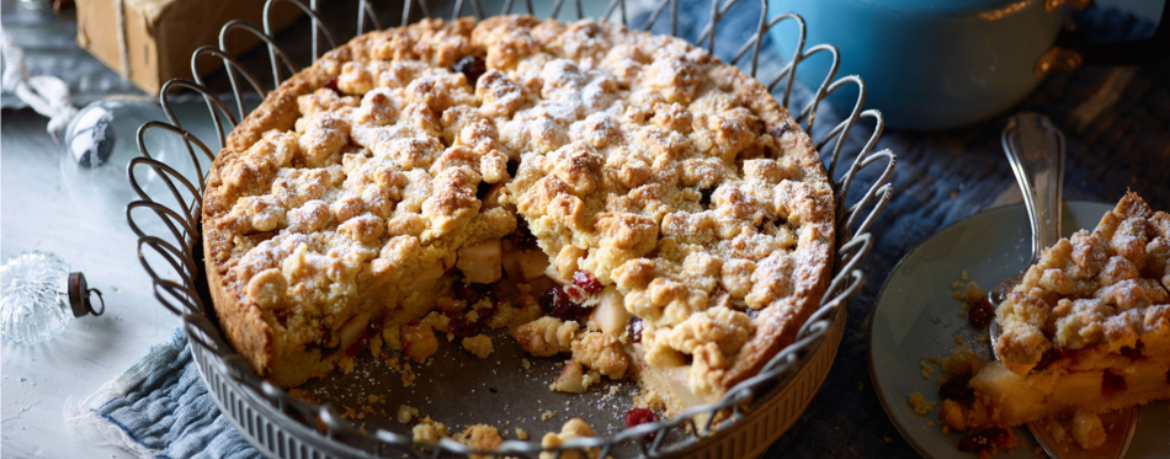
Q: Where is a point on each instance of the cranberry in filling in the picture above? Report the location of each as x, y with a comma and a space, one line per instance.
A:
1112, 383
1133, 353
980, 314
472, 293
555, 302
635, 329
332, 84
639, 416
1050, 356
374, 328
586, 282
471, 67
958, 388
463, 328
522, 238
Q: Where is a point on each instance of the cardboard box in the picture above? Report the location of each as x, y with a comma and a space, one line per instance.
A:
161, 35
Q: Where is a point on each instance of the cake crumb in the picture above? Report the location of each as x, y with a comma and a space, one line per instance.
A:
480, 345
526, 364
547, 415
920, 404
429, 431
346, 365
963, 360
959, 339
406, 413
521, 434
927, 370
1087, 430
888, 439
860, 386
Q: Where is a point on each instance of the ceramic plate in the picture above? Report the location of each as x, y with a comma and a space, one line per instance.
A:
916, 317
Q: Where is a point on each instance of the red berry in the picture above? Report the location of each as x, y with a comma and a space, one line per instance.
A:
958, 388
635, 329
374, 328
471, 67
356, 348
555, 302
586, 282
332, 84
1112, 383
466, 292
639, 416
522, 238
1135, 352
980, 314
463, 328
576, 293
1049, 357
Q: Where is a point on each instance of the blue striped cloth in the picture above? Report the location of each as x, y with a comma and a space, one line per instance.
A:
160, 408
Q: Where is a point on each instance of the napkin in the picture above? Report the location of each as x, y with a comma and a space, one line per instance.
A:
158, 409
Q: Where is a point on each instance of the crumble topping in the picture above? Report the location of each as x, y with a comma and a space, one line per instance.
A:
1087, 430
573, 428
1108, 287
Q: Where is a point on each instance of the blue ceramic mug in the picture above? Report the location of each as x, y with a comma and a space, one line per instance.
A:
933, 64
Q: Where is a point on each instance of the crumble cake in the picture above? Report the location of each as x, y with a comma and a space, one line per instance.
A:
1086, 331
620, 197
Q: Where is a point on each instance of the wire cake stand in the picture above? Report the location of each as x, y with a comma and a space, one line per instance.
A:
759, 409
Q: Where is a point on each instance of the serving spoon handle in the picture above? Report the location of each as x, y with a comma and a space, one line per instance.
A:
1035, 149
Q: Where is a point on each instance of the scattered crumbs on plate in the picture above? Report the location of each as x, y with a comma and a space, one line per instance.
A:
927, 370
920, 404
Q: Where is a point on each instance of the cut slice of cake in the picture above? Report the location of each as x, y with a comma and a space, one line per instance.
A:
1087, 330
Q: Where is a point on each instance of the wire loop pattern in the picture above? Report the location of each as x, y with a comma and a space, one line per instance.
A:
283, 426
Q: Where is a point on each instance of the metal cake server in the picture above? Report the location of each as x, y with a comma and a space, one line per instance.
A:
1036, 150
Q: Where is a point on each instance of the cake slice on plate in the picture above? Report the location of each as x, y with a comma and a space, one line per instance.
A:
1086, 331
